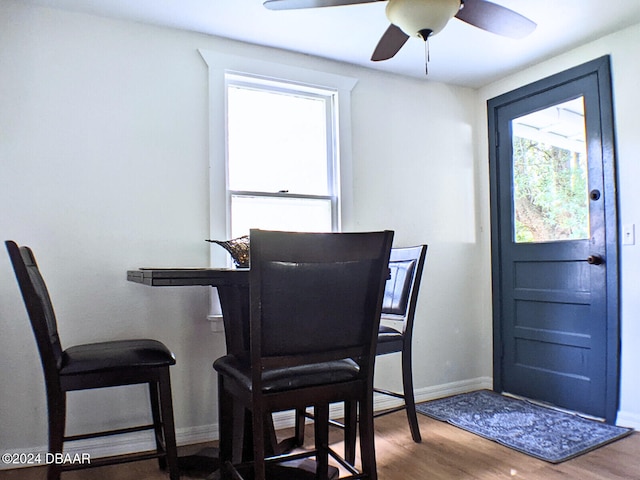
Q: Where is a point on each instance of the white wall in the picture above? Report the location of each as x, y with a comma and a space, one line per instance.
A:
624, 48
104, 168
415, 173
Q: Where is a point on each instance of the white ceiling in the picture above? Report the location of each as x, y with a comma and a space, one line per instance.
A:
460, 55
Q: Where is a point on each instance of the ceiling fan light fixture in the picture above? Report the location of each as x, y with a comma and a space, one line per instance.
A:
416, 17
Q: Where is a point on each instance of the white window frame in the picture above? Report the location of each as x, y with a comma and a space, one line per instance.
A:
219, 64
330, 97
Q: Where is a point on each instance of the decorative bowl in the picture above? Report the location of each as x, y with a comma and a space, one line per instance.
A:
238, 248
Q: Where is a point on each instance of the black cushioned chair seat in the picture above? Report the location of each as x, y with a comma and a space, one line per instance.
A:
280, 379
390, 340
99, 357
388, 334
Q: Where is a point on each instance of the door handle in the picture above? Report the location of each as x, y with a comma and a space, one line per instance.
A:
595, 260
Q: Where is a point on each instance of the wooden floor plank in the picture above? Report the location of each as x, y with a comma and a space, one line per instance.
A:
446, 453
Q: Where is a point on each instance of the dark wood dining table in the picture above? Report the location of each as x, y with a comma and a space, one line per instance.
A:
232, 285
233, 291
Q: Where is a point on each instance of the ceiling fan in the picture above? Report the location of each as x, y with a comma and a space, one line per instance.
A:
423, 18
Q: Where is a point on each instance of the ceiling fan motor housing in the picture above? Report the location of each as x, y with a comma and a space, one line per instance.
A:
415, 16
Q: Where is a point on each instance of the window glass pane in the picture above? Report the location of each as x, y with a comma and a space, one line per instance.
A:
279, 213
550, 174
277, 141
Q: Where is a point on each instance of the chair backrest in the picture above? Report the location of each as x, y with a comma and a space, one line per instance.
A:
316, 296
39, 308
402, 287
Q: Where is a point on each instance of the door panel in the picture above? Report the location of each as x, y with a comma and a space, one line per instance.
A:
554, 250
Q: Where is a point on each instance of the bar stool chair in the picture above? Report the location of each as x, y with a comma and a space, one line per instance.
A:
394, 336
92, 366
396, 327
315, 302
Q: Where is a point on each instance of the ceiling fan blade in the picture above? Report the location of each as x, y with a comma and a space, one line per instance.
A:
295, 4
495, 19
391, 42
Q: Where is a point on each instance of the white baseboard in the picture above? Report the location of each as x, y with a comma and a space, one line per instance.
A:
94, 447
628, 419
114, 445
141, 441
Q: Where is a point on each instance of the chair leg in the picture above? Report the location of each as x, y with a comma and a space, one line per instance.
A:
169, 429
242, 438
226, 420
300, 424
321, 429
57, 412
350, 429
232, 419
367, 438
154, 399
409, 400
259, 450
271, 446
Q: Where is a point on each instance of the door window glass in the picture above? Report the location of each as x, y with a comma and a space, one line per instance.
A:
550, 174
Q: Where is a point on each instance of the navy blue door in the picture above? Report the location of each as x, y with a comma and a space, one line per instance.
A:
554, 241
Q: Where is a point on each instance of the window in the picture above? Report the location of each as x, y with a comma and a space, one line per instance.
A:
281, 158
550, 174
238, 201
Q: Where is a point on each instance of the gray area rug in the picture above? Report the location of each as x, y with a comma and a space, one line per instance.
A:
538, 431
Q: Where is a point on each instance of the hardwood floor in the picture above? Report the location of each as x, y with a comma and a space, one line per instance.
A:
446, 453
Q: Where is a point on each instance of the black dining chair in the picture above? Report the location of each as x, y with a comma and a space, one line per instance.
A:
92, 366
315, 302
396, 326
394, 336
